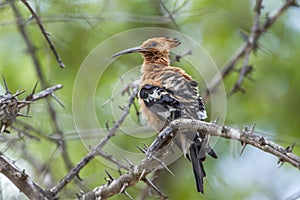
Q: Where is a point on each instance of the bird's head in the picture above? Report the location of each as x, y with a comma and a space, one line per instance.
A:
153, 47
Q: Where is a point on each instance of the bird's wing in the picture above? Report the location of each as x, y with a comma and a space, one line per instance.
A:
167, 94
185, 89
159, 101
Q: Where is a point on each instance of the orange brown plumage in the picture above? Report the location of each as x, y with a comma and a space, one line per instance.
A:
167, 93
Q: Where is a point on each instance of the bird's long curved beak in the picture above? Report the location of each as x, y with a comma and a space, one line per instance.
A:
130, 50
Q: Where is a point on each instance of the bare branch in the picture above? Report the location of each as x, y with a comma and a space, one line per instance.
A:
117, 162
42, 94
217, 79
10, 106
21, 179
97, 149
30, 47
159, 149
139, 172
44, 32
32, 51
251, 43
170, 14
244, 136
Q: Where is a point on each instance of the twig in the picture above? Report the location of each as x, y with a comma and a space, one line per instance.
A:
251, 43
177, 58
139, 172
119, 17
133, 85
10, 106
42, 94
117, 162
150, 184
243, 136
44, 32
31, 48
217, 79
21, 179
170, 15
97, 149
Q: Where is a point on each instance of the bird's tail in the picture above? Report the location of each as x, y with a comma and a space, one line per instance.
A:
197, 152
195, 147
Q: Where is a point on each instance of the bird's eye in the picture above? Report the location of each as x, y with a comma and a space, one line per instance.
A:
153, 44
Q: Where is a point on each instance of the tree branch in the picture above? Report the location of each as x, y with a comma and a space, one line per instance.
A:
21, 180
248, 47
252, 45
32, 51
97, 149
44, 32
10, 106
159, 149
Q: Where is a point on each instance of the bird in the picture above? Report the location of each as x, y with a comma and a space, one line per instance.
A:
167, 93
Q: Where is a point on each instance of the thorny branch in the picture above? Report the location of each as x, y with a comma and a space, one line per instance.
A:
21, 179
32, 51
44, 32
169, 14
159, 149
10, 108
97, 149
250, 45
245, 69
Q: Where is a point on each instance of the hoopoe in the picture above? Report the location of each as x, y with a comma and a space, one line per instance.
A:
167, 93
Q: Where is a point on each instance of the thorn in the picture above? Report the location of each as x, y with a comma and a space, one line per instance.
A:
107, 125
127, 194
121, 108
289, 149
29, 97
262, 141
34, 87
5, 85
57, 100
119, 170
79, 178
150, 183
142, 174
19, 93
145, 146
164, 165
252, 128
280, 162
108, 174
3, 128
131, 165
215, 121
224, 129
23, 115
235, 89
244, 144
23, 175
107, 180
123, 188
28, 108
141, 149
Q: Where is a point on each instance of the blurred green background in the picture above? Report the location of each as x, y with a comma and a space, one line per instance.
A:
77, 27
